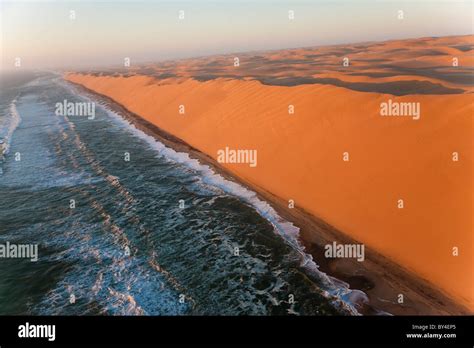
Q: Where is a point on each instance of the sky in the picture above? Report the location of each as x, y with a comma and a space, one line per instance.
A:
103, 33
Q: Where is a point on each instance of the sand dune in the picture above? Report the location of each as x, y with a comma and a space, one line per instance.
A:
300, 155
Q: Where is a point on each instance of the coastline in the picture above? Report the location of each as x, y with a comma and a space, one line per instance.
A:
380, 278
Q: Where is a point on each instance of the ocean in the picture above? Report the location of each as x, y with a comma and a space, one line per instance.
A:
127, 226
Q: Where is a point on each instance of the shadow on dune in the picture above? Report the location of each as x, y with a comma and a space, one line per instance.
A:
395, 88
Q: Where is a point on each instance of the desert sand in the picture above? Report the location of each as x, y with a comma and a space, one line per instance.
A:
336, 156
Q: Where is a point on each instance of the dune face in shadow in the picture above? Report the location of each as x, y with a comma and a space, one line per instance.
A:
395, 88
400, 184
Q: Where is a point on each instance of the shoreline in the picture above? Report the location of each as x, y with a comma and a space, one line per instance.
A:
378, 277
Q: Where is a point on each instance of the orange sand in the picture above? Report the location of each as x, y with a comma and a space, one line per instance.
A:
300, 157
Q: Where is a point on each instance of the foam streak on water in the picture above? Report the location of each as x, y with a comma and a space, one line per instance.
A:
13, 123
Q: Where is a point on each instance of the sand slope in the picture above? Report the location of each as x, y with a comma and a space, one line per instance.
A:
300, 156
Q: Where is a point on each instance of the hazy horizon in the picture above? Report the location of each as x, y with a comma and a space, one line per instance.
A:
44, 35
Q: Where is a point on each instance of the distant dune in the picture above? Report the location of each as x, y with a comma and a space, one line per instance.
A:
336, 110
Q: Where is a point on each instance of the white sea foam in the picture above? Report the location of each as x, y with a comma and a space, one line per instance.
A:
13, 124
334, 289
